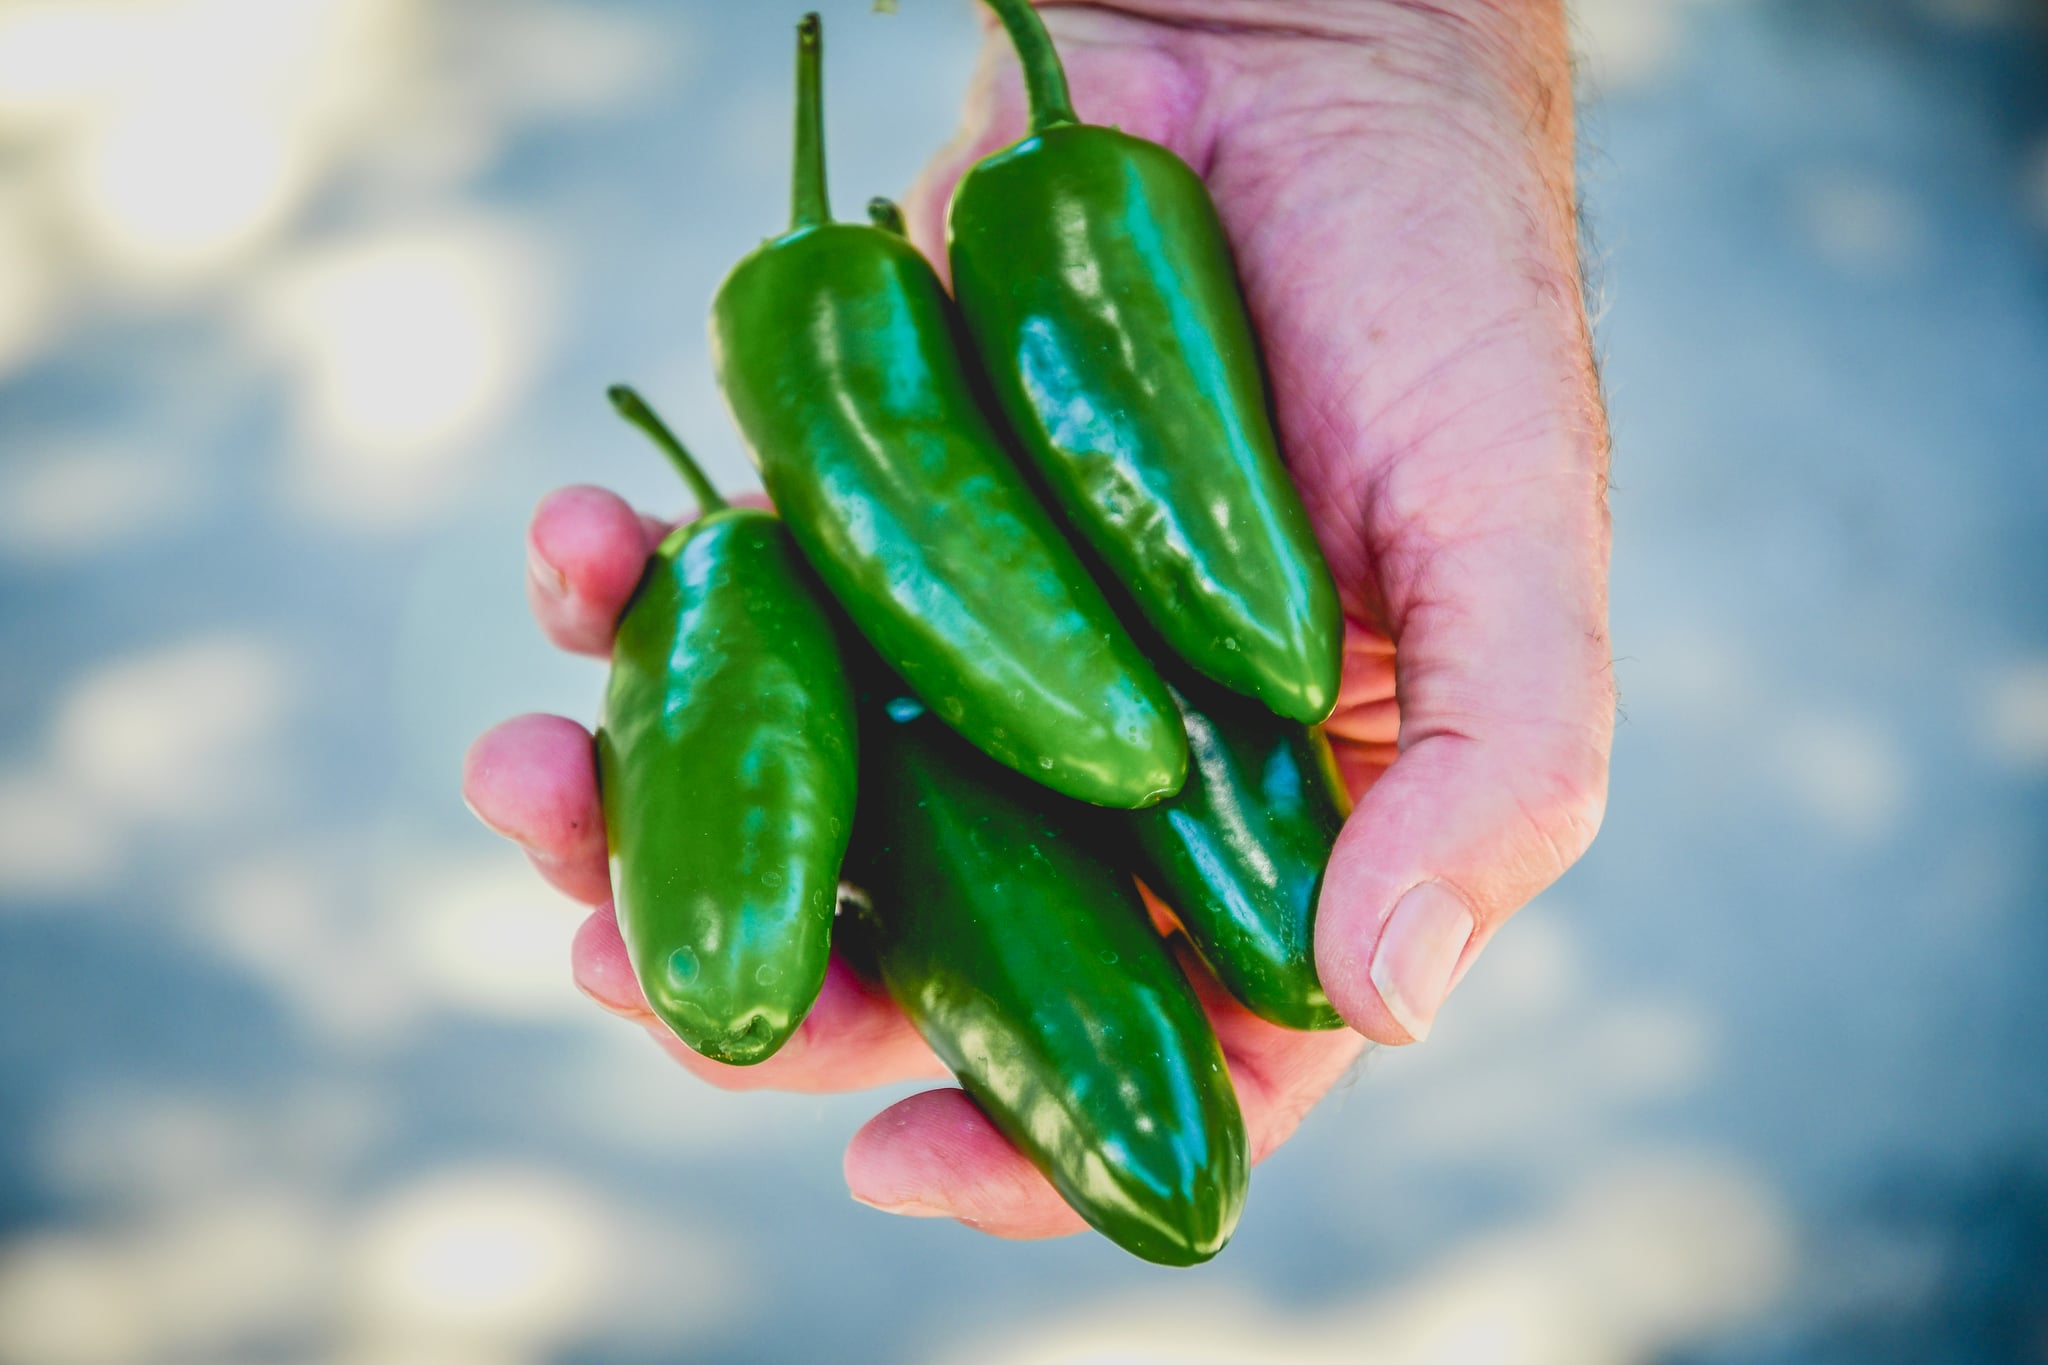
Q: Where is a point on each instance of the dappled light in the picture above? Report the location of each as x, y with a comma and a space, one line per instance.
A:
64, 499
1847, 773
304, 305
402, 351
510, 1256
1638, 1262
2015, 725
174, 734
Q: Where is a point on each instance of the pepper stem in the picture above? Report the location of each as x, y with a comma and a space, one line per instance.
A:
809, 205
634, 409
884, 214
1045, 80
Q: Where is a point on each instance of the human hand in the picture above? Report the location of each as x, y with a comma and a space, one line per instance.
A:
1396, 181
533, 779
1397, 186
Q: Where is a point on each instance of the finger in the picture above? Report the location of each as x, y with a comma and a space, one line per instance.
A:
584, 554
533, 779
1365, 726
854, 1037
1361, 765
1500, 782
936, 1155
1367, 710
1373, 722
1279, 1073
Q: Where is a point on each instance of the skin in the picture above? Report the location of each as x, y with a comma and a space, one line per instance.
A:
1396, 180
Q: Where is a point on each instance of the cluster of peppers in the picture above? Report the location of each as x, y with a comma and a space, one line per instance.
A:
914, 623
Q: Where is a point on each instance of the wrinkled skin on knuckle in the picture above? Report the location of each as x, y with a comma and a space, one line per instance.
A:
1563, 801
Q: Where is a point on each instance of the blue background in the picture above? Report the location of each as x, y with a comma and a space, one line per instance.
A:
303, 306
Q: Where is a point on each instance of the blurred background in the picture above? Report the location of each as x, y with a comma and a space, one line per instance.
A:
303, 305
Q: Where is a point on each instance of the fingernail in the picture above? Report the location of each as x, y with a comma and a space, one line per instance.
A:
487, 822
1418, 950
908, 1208
545, 577
619, 997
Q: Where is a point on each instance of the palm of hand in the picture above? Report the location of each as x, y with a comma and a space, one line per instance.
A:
1410, 272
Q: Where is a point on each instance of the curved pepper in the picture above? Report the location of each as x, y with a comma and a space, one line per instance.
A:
839, 355
726, 762
1239, 853
1096, 281
1028, 964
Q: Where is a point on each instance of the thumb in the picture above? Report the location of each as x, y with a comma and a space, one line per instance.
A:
1506, 701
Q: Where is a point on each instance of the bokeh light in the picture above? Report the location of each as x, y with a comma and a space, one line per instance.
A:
305, 303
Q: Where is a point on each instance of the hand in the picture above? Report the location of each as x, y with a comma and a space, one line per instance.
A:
1396, 180
1397, 186
534, 780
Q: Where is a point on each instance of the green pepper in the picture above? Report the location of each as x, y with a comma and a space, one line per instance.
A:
1028, 963
1096, 282
1238, 854
726, 762
841, 359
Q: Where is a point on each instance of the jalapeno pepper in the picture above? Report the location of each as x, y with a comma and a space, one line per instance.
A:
1028, 963
1238, 854
1095, 279
726, 762
840, 357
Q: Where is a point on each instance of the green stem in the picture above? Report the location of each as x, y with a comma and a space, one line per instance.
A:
884, 214
809, 205
634, 409
1045, 80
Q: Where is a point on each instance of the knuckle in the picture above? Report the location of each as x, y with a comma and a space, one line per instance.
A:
1564, 803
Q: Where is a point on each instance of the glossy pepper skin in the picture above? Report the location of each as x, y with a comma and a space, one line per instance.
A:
1094, 276
726, 761
840, 357
1029, 965
1239, 853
